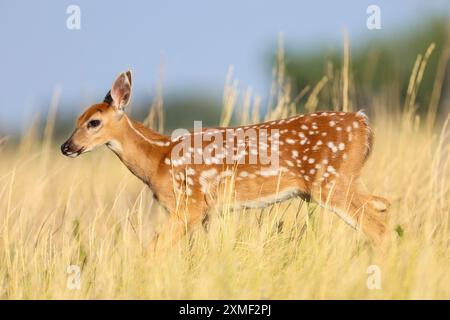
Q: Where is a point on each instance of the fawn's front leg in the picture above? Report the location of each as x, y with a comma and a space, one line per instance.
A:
178, 223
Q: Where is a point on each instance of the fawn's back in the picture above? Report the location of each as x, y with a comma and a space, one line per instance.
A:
274, 160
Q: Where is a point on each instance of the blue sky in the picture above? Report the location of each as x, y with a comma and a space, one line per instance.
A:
198, 39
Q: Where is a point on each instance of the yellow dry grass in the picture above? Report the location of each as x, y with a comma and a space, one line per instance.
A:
91, 212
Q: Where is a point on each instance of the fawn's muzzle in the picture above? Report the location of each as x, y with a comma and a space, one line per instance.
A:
68, 149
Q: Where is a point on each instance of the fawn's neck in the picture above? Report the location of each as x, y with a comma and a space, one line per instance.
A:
139, 148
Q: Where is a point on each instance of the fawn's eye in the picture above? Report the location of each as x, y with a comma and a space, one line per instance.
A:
93, 124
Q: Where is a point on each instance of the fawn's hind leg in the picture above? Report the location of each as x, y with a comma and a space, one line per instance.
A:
379, 203
361, 211
371, 215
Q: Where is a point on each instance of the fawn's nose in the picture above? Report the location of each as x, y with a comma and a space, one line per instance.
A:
65, 148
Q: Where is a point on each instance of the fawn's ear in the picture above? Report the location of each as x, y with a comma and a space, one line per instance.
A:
120, 94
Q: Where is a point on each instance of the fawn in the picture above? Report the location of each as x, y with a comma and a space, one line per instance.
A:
315, 156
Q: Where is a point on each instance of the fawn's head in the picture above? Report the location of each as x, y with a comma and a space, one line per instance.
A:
98, 123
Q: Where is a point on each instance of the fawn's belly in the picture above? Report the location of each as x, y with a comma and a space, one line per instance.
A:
259, 193
264, 201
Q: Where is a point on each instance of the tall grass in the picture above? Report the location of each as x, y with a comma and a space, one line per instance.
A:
92, 213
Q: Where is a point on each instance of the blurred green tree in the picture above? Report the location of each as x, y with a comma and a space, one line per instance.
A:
380, 64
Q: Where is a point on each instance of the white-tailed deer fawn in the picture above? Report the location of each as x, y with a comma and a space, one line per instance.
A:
316, 156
